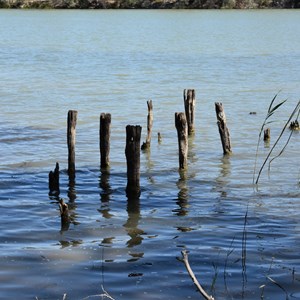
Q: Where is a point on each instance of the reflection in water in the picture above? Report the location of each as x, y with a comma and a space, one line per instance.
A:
223, 179
72, 191
183, 194
72, 204
149, 165
133, 210
107, 241
105, 193
73, 243
192, 157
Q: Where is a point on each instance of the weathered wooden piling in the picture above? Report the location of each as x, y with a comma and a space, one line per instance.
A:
267, 134
71, 138
159, 137
223, 129
54, 181
64, 214
182, 134
189, 97
294, 125
132, 152
104, 137
146, 145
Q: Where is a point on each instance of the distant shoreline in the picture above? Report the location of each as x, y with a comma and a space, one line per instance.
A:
149, 4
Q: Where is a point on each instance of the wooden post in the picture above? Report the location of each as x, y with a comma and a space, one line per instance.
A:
71, 136
223, 130
54, 181
159, 138
267, 134
132, 152
146, 145
182, 133
104, 137
189, 105
64, 214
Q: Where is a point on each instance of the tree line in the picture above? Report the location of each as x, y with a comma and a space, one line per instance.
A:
153, 4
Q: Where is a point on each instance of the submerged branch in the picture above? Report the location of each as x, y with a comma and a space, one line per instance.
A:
192, 275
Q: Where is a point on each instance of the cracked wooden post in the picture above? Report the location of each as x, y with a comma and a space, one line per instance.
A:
182, 134
267, 134
146, 145
54, 181
223, 130
104, 137
189, 105
71, 137
132, 152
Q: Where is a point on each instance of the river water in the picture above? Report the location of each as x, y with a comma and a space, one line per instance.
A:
243, 240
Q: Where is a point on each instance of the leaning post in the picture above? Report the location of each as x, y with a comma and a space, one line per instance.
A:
132, 152
182, 134
71, 137
146, 145
189, 105
223, 129
104, 137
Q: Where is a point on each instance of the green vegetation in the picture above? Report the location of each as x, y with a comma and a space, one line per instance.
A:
271, 110
158, 4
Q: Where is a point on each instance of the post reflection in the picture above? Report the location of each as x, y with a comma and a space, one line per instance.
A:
223, 178
105, 194
131, 226
183, 194
149, 165
71, 205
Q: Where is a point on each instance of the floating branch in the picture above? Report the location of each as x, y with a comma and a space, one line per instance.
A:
146, 145
104, 137
71, 136
54, 181
223, 130
189, 105
132, 152
192, 275
182, 134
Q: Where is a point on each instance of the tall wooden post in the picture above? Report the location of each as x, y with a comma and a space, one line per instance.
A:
149, 125
54, 181
189, 105
182, 134
132, 152
223, 130
104, 137
71, 137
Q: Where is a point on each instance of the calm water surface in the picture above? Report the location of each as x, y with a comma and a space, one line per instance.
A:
243, 242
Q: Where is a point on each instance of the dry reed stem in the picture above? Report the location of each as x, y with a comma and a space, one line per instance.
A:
192, 275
